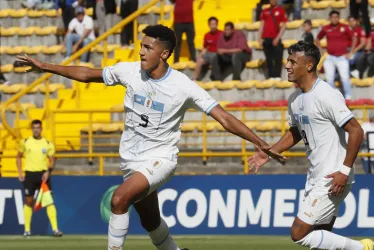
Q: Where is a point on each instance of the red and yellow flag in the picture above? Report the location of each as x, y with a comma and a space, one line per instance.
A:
44, 197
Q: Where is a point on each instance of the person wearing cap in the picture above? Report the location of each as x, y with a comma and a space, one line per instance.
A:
83, 26
368, 128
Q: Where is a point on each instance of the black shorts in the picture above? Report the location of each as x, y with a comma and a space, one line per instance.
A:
33, 181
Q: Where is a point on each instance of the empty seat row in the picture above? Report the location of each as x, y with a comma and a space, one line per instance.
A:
39, 31
15, 88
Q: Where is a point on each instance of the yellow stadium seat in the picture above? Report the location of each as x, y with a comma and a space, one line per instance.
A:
34, 89
15, 50
226, 85
179, 65
246, 85
265, 84
6, 68
191, 65
33, 50
278, 126
87, 64
167, 9
53, 87
95, 128
288, 43
141, 27
27, 31
367, 82
355, 81
109, 128
4, 49
89, 12
117, 108
319, 22
371, 2
319, 5
4, 13
100, 48
266, 126
23, 106
189, 126
51, 50
240, 26
254, 45
2, 86
283, 84
294, 24
50, 13
49, 30
35, 13
208, 85
9, 31
254, 64
18, 13
323, 43
252, 124
21, 69
224, 103
14, 88
305, 5
253, 26
338, 5
109, 62
210, 126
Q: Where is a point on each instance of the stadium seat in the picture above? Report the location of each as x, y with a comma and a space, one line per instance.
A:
319, 22
157, 9
117, 108
33, 50
191, 65
189, 126
254, 64
18, 13
246, 85
35, 13
51, 50
364, 82
50, 13
16, 50
21, 69
278, 126
296, 24
254, 45
27, 31
226, 85
283, 84
264, 84
23, 107
224, 103
266, 126
208, 85
8, 31
319, 5
6, 68
53, 87
95, 128
14, 88
252, 124
100, 48
179, 65
109, 128
4, 13
288, 43
49, 30
338, 4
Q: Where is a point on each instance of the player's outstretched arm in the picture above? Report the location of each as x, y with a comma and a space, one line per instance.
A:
79, 73
233, 125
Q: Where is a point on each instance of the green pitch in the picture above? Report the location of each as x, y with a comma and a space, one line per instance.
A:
143, 243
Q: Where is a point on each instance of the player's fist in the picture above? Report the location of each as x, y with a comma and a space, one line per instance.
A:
45, 176
338, 183
21, 178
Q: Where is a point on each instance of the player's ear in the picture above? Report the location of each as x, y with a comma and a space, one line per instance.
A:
165, 54
309, 67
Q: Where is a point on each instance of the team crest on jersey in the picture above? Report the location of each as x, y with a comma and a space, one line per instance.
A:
342, 29
157, 164
148, 103
276, 13
44, 150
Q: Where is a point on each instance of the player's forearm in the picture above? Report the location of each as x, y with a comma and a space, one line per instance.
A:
288, 140
51, 162
355, 137
19, 165
79, 73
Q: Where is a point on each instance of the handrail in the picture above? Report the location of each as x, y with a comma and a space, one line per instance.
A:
76, 55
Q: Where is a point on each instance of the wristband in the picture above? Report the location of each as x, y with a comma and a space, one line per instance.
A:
345, 170
50, 170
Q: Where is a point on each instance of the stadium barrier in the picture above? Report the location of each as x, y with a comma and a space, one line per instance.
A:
261, 205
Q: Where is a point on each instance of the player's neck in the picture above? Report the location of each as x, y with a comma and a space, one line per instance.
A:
37, 137
159, 72
307, 84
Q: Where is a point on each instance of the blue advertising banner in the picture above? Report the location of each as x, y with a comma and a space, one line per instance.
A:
263, 204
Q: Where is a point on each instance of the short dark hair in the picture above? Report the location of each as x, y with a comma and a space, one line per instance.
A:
309, 49
334, 12
212, 18
307, 21
163, 34
230, 24
349, 17
36, 122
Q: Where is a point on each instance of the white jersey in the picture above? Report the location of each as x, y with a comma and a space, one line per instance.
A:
154, 109
319, 116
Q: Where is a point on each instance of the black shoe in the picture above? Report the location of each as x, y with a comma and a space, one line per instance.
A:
27, 234
185, 249
57, 233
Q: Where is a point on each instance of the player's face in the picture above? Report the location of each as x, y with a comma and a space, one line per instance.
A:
36, 130
334, 18
213, 26
152, 53
297, 66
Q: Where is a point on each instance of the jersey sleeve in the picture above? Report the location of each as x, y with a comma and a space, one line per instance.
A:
200, 100
51, 149
283, 16
21, 148
119, 74
322, 33
335, 109
291, 116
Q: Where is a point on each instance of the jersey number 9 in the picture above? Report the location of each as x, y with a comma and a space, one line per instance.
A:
145, 120
305, 139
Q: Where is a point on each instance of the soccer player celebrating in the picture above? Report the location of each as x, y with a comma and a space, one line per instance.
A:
319, 116
156, 100
36, 150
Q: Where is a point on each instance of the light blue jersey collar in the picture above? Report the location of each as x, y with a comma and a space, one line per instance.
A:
168, 72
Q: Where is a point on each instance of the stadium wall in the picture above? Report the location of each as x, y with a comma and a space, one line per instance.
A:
263, 205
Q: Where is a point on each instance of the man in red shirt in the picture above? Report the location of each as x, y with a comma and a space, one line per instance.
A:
338, 36
232, 49
273, 24
183, 23
367, 58
209, 48
357, 48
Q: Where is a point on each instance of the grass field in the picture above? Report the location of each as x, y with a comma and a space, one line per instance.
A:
84, 242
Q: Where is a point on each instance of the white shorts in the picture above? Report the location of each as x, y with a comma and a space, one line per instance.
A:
157, 171
319, 208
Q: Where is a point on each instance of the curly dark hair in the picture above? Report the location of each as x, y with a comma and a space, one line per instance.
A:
163, 34
309, 50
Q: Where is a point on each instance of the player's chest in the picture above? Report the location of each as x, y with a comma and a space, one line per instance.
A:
304, 110
36, 149
336, 33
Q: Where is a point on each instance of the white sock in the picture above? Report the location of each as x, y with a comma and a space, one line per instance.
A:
117, 230
162, 239
322, 239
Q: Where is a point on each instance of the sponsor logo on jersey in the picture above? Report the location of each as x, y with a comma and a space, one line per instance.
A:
310, 215
342, 29
157, 164
44, 150
314, 202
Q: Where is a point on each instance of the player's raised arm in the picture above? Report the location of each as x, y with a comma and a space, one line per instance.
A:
79, 73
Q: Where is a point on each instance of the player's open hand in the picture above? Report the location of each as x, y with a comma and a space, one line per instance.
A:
28, 61
338, 184
257, 160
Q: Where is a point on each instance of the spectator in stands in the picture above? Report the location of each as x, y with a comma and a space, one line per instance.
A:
296, 7
368, 128
184, 23
307, 35
127, 8
272, 27
105, 12
338, 36
68, 10
357, 6
82, 25
232, 49
367, 58
259, 7
357, 48
209, 48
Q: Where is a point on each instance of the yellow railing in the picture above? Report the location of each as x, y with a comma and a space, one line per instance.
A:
45, 78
